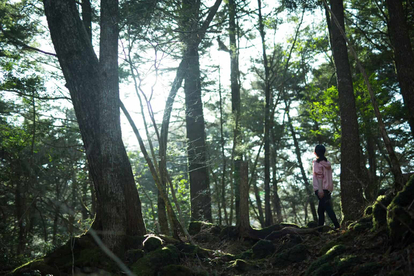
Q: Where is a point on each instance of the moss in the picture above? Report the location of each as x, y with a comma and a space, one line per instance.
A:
328, 246
155, 260
361, 225
196, 226
324, 270
133, 255
241, 265
152, 243
248, 254
325, 259
368, 211
262, 249
399, 222
190, 250
396, 273
405, 196
295, 254
380, 212
345, 263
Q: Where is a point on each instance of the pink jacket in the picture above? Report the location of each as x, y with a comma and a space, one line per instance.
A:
322, 170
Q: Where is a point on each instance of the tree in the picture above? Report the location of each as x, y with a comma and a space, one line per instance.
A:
197, 153
93, 86
403, 55
351, 190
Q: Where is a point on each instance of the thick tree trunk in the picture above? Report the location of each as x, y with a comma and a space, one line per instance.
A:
351, 189
259, 205
197, 151
196, 148
93, 86
403, 55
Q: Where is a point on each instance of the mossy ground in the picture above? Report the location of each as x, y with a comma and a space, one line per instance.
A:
370, 246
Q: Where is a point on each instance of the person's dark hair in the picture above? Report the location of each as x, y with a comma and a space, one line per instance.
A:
320, 152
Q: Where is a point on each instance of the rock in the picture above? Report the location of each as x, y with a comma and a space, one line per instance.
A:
400, 217
152, 243
295, 254
196, 226
133, 255
241, 265
190, 250
153, 261
379, 211
325, 260
262, 249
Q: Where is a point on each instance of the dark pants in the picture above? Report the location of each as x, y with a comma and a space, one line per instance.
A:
325, 204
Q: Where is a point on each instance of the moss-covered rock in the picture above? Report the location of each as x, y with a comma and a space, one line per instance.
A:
153, 261
248, 254
196, 226
400, 220
362, 224
405, 196
152, 243
133, 255
205, 237
379, 211
189, 250
241, 265
295, 254
262, 249
325, 259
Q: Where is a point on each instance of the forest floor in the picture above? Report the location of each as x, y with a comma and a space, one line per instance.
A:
380, 243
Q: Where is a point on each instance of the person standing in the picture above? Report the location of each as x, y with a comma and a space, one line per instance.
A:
323, 186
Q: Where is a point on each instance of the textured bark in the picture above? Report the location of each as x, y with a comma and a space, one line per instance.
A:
351, 190
93, 86
244, 221
235, 104
403, 55
268, 209
87, 17
196, 148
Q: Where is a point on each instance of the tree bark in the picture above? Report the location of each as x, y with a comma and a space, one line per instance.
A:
235, 104
196, 148
351, 190
244, 221
403, 55
268, 209
93, 86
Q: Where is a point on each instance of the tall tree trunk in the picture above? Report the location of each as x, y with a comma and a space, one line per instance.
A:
235, 104
196, 148
351, 190
20, 206
403, 55
268, 209
259, 204
223, 155
244, 221
93, 86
